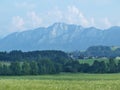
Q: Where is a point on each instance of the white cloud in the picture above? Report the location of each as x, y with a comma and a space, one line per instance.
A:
107, 22
32, 20
53, 16
74, 15
35, 19
18, 23
101, 23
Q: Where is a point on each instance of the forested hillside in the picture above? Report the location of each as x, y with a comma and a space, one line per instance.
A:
97, 52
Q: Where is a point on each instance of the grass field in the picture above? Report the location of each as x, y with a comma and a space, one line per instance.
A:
61, 82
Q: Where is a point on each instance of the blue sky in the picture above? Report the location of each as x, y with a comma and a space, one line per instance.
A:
20, 15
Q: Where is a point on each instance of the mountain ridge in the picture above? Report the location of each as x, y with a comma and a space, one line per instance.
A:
60, 36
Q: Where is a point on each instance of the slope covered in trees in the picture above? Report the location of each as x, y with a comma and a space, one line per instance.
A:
97, 52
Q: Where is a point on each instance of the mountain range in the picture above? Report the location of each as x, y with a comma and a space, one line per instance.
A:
60, 36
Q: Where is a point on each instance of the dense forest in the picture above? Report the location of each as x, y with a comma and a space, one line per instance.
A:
33, 62
54, 62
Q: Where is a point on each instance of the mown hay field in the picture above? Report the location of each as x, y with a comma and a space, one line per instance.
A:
61, 82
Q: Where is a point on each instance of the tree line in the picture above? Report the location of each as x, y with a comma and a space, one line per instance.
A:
17, 55
30, 68
53, 62
97, 67
49, 67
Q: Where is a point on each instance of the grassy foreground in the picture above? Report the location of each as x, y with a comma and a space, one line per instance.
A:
62, 82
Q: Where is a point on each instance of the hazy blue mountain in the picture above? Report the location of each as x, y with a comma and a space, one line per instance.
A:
61, 36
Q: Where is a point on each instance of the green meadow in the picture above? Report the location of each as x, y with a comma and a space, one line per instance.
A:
63, 81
